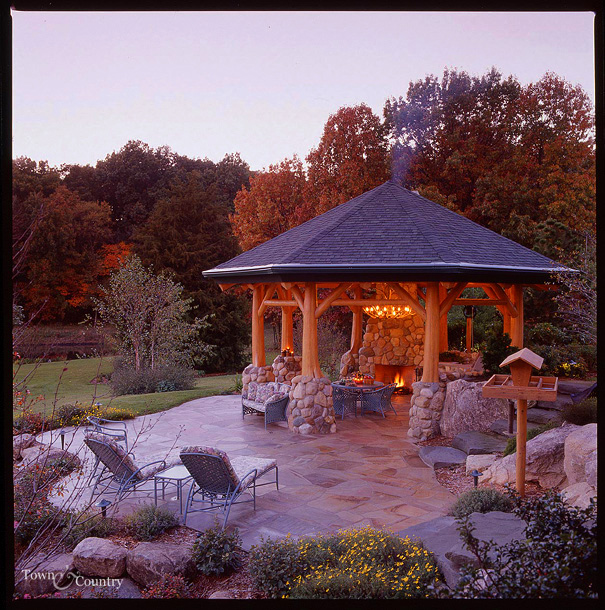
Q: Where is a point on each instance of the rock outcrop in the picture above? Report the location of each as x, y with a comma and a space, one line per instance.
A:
100, 557
148, 562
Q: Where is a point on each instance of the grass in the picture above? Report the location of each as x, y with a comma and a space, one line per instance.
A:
43, 379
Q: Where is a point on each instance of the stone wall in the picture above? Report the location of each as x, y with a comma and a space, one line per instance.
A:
285, 368
425, 410
260, 374
310, 408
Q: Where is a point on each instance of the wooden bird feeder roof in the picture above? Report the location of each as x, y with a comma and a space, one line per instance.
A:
525, 355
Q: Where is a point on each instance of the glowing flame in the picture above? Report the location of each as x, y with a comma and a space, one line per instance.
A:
399, 380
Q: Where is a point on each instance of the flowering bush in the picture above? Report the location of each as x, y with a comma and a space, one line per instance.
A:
352, 564
76, 414
572, 369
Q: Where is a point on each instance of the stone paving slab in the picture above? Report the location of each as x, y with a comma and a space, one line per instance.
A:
367, 472
441, 457
474, 442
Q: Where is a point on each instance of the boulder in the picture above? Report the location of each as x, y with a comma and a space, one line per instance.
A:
543, 461
441, 457
580, 449
480, 462
465, 408
147, 562
541, 416
44, 454
23, 441
579, 494
100, 557
500, 426
473, 442
42, 579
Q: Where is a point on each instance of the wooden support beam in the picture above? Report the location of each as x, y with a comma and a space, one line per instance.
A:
492, 295
443, 338
310, 357
516, 324
521, 445
323, 306
501, 294
430, 367
281, 303
224, 287
479, 302
357, 326
258, 327
270, 289
368, 302
297, 294
469, 335
452, 295
287, 323
411, 301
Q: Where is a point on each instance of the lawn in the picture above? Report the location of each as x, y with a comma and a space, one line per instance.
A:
66, 382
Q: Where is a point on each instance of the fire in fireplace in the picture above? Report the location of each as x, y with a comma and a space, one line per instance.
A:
403, 376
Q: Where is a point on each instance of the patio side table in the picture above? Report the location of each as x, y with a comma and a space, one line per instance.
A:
175, 475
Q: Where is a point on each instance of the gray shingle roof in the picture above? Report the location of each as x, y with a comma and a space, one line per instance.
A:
387, 233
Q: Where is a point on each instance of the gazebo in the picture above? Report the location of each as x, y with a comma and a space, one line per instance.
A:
398, 255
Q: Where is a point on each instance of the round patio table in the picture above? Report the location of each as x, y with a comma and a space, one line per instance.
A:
359, 389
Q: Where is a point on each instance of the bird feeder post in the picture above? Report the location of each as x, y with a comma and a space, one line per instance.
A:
521, 385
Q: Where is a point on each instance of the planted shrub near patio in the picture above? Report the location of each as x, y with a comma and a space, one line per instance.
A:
171, 586
216, 551
480, 501
583, 413
86, 524
126, 380
148, 522
352, 564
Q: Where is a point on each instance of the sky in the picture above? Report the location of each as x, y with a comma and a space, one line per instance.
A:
259, 83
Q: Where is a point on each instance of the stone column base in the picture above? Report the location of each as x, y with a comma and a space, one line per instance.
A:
285, 368
425, 410
310, 409
349, 363
260, 374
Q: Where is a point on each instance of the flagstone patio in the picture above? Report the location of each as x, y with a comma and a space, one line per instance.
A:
368, 472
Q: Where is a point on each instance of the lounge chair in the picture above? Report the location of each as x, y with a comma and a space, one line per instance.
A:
100, 426
221, 481
119, 473
378, 400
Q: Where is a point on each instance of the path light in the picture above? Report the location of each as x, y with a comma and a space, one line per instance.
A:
476, 474
62, 433
103, 504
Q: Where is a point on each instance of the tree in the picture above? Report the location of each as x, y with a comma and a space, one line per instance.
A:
271, 205
187, 233
351, 158
63, 256
149, 314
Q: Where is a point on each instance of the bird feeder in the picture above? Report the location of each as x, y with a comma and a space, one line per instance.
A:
522, 386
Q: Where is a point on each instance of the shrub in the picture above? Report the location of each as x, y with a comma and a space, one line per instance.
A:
126, 380
30, 423
352, 564
558, 558
148, 522
450, 357
583, 413
572, 369
497, 348
511, 445
85, 524
217, 552
480, 501
171, 586
545, 333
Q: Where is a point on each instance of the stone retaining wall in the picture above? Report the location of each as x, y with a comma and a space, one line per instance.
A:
425, 410
285, 368
310, 408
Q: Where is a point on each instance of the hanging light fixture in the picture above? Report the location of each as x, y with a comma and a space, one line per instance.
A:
388, 311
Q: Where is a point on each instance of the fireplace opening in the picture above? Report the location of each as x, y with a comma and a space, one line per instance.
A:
403, 376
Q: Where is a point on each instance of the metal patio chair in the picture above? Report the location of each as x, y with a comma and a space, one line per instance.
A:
378, 400
99, 426
120, 473
221, 481
344, 401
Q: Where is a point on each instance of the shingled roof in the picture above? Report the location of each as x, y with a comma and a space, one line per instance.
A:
387, 234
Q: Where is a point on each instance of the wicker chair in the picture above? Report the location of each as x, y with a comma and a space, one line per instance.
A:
119, 473
221, 481
268, 399
344, 401
378, 400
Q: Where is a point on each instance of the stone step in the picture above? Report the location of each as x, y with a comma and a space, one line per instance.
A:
500, 426
540, 416
441, 457
473, 442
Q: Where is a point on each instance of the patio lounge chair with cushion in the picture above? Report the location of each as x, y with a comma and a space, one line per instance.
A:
119, 473
221, 481
101, 426
378, 400
270, 398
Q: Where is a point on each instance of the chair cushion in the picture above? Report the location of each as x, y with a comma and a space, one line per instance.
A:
277, 396
252, 389
284, 387
120, 452
245, 463
253, 405
213, 451
265, 390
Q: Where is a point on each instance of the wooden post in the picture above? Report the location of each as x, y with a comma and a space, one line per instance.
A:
443, 338
357, 326
521, 442
469, 335
287, 326
258, 327
516, 324
430, 372
310, 357
506, 318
